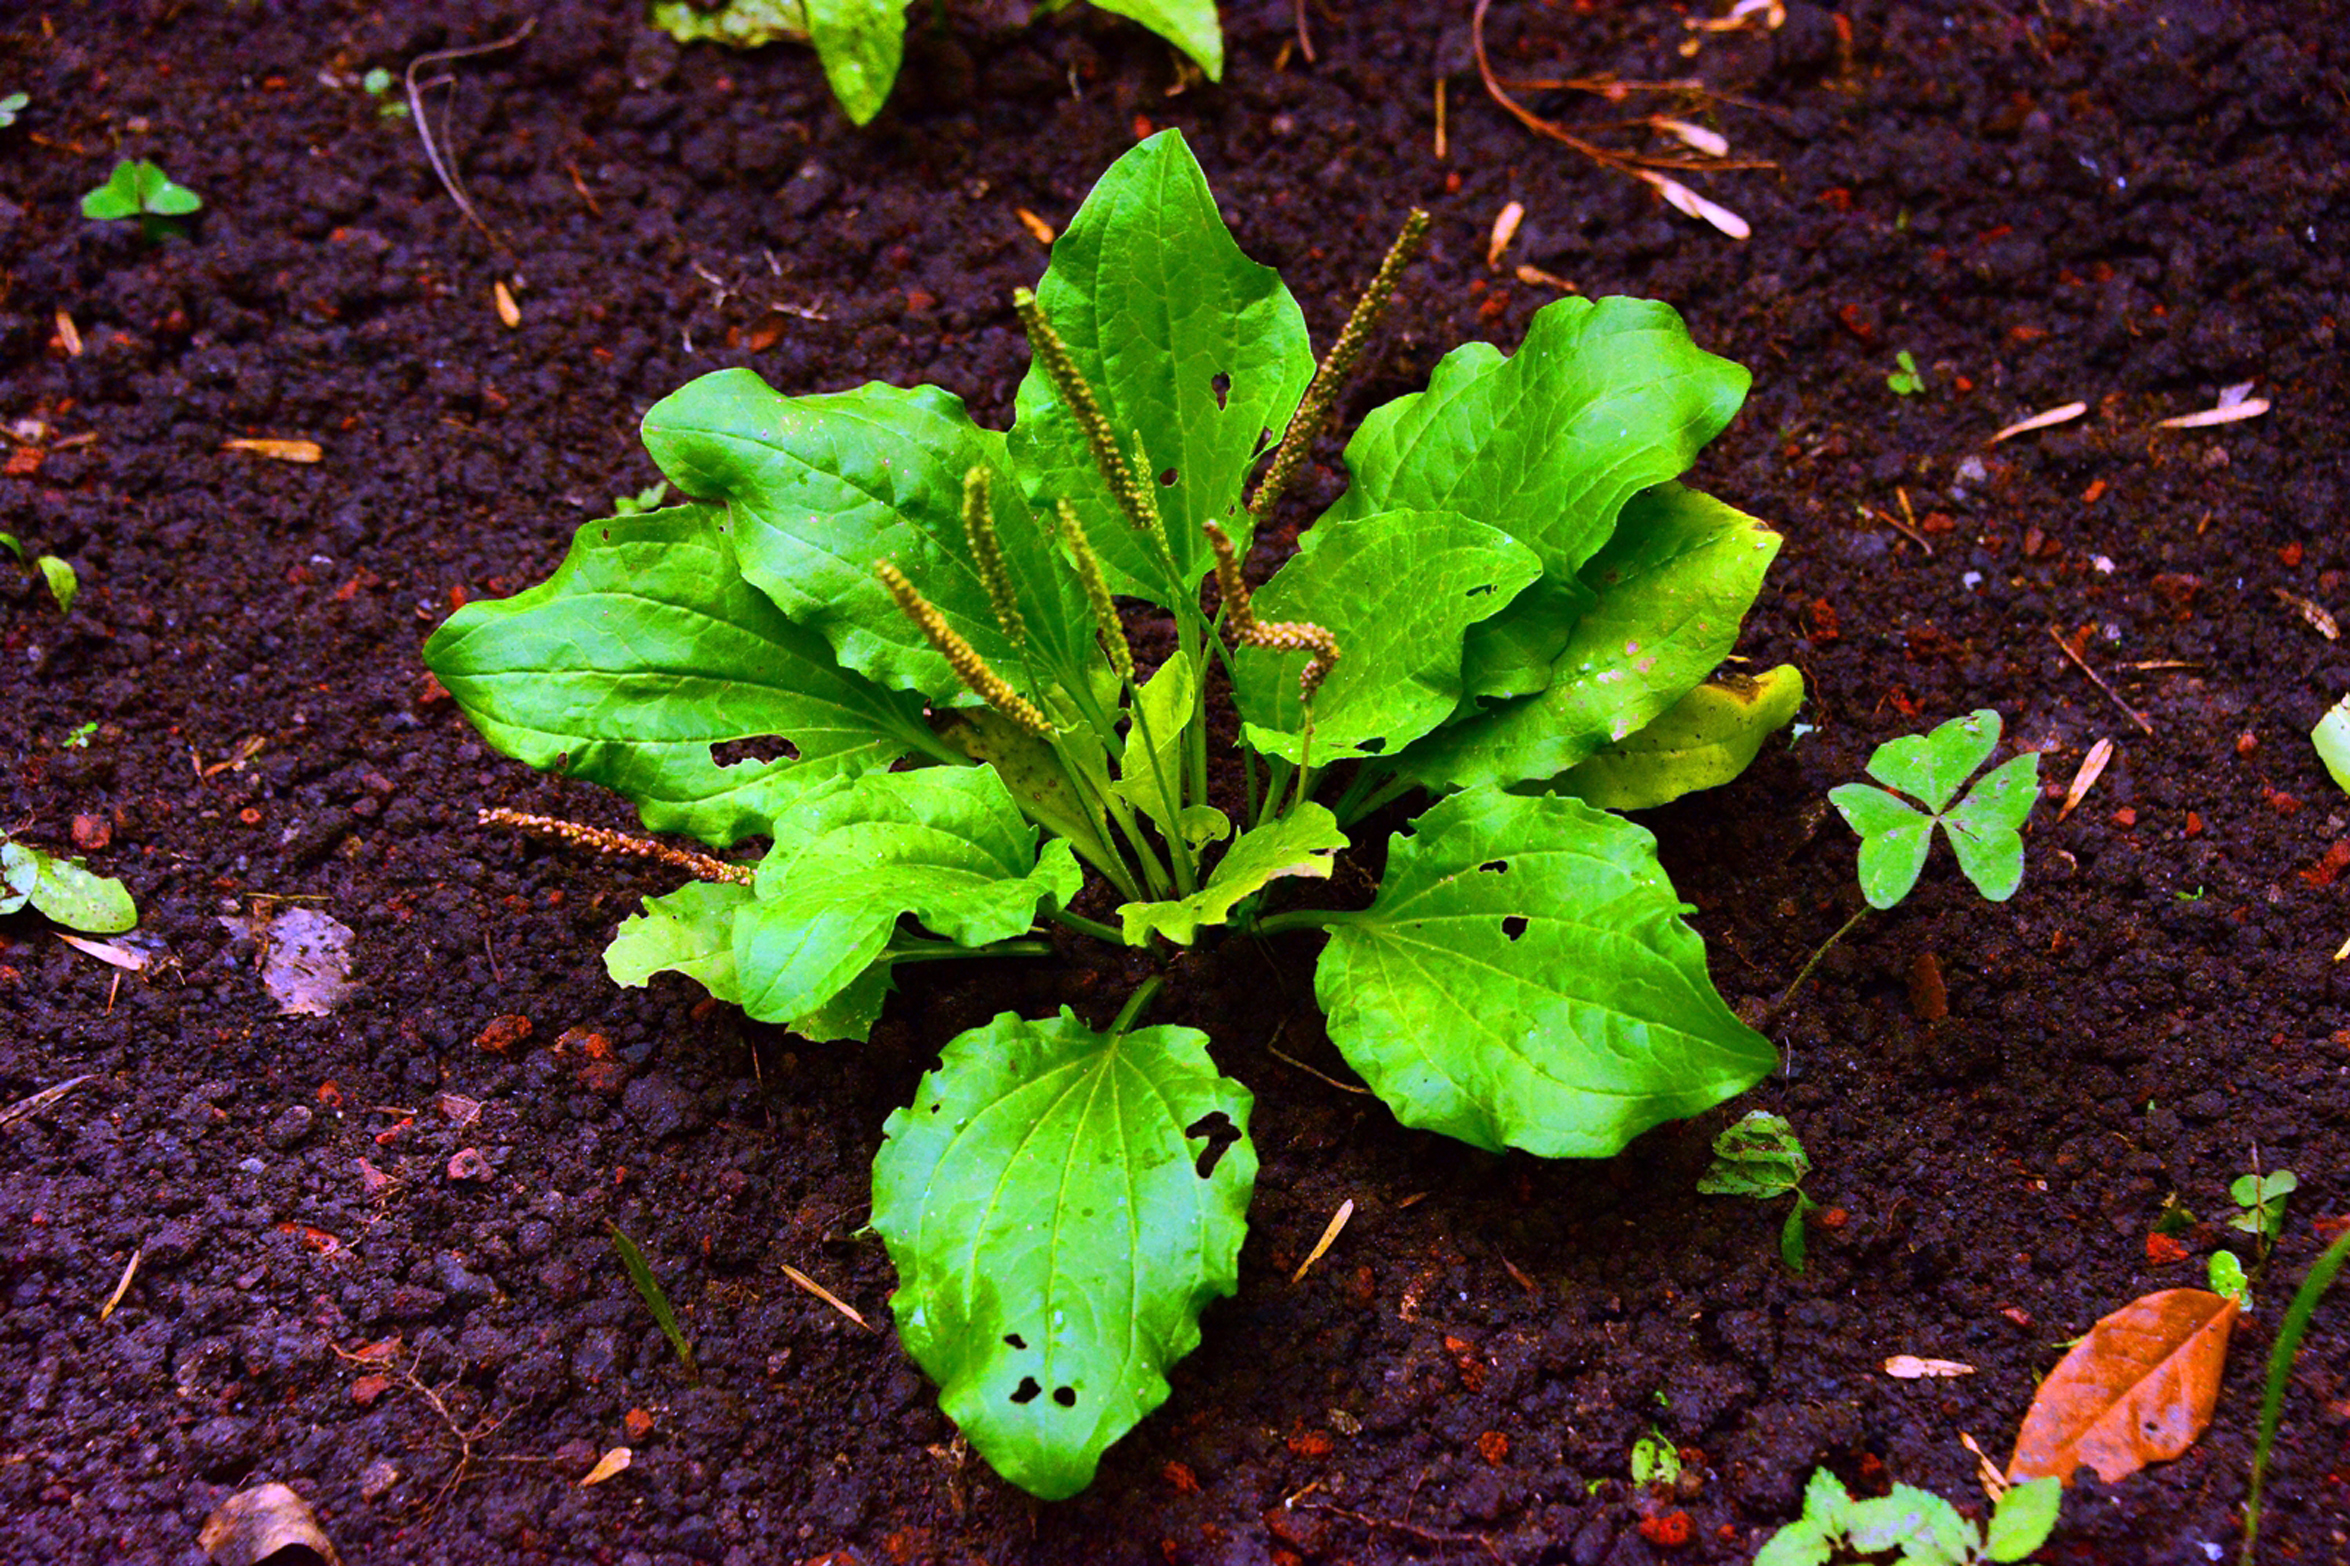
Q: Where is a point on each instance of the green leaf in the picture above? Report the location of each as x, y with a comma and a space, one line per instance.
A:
688, 931
63, 584
2331, 737
1758, 1156
648, 1288
1926, 1529
819, 488
1672, 587
1791, 1236
947, 845
1183, 339
1398, 589
861, 43
2023, 1519
1983, 828
1054, 1235
2227, 1278
744, 24
8, 541
1826, 1501
1702, 741
1984, 831
63, 890
1516, 652
1298, 844
1151, 773
1604, 399
1894, 838
644, 650
118, 198
1797, 1544
161, 197
1930, 767
1190, 25
1037, 773
1524, 980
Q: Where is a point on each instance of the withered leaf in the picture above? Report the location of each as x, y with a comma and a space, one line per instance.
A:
2137, 1389
255, 1525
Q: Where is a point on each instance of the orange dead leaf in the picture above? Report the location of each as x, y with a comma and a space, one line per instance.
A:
2138, 1389
277, 450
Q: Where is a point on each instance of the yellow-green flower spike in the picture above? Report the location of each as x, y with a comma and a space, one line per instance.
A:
1107, 626
1060, 367
987, 555
1306, 424
960, 655
1273, 635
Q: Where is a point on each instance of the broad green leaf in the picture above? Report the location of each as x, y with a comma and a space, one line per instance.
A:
1036, 773
1150, 774
20, 868
1603, 399
1930, 767
1524, 980
1516, 652
644, 650
1190, 25
12, 544
1758, 1156
1672, 586
160, 196
1055, 1235
861, 43
1800, 1543
1984, 827
1182, 339
744, 24
688, 931
2332, 739
1398, 589
1926, 1529
2023, 1519
819, 488
1894, 838
119, 197
946, 844
63, 584
63, 890
1298, 844
1703, 740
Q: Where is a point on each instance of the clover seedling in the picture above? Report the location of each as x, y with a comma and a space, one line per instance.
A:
1761, 1157
377, 84
924, 613
1906, 381
138, 189
1655, 1460
1925, 1529
2260, 1203
62, 889
1983, 827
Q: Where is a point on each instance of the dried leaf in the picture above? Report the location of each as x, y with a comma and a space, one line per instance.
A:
1036, 226
1710, 142
1346, 1210
278, 450
1683, 199
108, 952
2236, 403
2137, 1389
124, 1287
2040, 421
509, 313
1909, 1367
306, 966
610, 1463
1505, 229
826, 1295
68, 336
253, 1525
2092, 768
2320, 619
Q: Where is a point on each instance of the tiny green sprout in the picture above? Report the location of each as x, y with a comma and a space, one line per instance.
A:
1761, 1157
2195, 896
2228, 1280
1906, 381
138, 189
1655, 1460
63, 583
2332, 739
377, 84
640, 1273
12, 106
79, 739
2280, 1370
2260, 1200
1984, 827
1925, 1529
644, 500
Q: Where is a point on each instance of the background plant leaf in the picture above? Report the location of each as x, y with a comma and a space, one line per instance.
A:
1182, 338
1926, 1529
1983, 827
743, 24
1702, 741
688, 931
2022, 1520
63, 584
63, 890
2332, 739
1299, 843
1524, 979
1190, 25
645, 649
861, 44
1894, 840
2137, 1389
946, 844
1056, 1234
1929, 767
1398, 589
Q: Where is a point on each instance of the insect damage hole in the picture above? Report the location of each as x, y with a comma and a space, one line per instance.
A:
1221, 1133
1497, 866
1221, 385
1065, 1396
1014, 1340
1513, 926
758, 748
1027, 1391
1168, 478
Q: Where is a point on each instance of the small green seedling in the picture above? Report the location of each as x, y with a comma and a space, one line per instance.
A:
1906, 381
12, 106
1983, 827
62, 889
648, 1288
1923, 1527
63, 584
2228, 1280
377, 84
79, 739
1761, 1157
1655, 1460
138, 189
2260, 1202
642, 502
2280, 1370
2332, 739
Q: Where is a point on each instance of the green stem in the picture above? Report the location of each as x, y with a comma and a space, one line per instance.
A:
948, 951
1278, 771
1305, 919
1373, 787
1084, 926
1170, 796
1787, 996
1134, 1004
2280, 1370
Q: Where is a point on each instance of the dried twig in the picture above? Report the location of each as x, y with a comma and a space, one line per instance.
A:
32, 1103
826, 1295
432, 152
2081, 663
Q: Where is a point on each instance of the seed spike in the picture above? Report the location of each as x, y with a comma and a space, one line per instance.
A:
619, 845
1060, 367
1314, 410
960, 655
1273, 635
1107, 626
987, 554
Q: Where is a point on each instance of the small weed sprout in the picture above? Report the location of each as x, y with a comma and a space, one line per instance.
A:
62, 889
12, 106
139, 189
2260, 1204
377, 84
1655, 1460
1923, 1527
79, 739
643, 501
2280, 1370
1760, 1157
63, 583
648, 1288
1906, 381
2228, 1280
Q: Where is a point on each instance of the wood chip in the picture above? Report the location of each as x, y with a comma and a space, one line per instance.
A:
1505, 229
1909, 1367
826, 1295
612, 1462
2040, 421
124, 1287
2236, 404
509, 312
1346, 1210
1683, 199
278, 450
1036, 226
1710, 142
2315, 613
69, 336
2092, 768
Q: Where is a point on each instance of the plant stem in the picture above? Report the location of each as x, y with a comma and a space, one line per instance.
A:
2280, 1370
1787, 996
1134, 1004
1084, 926
948, 951
1372, 788
1170, 795
1303, 919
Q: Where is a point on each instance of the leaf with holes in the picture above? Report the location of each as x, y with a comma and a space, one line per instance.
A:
1298, 844
645, 650
1524, 980
1061, 1205
2137, 1389
1984, 828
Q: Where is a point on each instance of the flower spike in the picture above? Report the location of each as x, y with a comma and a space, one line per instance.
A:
987, 554
1060, 367
969, 667
1274, 635
1107, 626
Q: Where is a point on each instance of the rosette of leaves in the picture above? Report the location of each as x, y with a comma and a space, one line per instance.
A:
917, 613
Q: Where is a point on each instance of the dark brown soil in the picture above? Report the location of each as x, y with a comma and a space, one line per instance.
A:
2132, 203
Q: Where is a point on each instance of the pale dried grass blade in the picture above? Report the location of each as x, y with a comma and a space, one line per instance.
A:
2092, 768
1538, 278
124, 1287
826, 1295
1710, 142
2040, 421
33, 1103
1505, 229
1909, 1367
1688, 201
2225, 413
612, 1462
278, 450
107, 952
1330, 1232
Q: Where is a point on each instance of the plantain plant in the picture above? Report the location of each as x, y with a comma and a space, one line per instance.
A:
1515, 591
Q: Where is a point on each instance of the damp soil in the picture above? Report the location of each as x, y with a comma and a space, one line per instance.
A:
371, 1245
